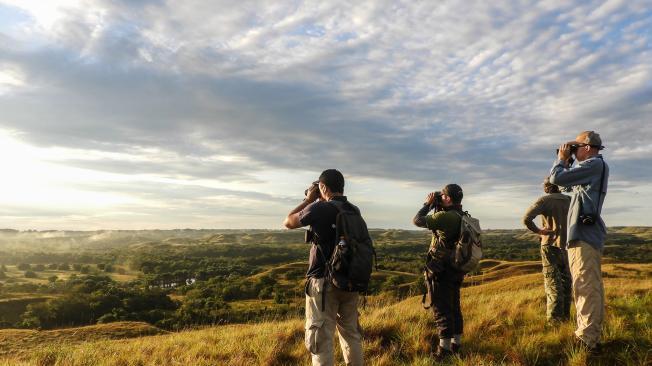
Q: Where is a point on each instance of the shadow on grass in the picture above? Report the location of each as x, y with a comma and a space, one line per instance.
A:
624, 352
388, 338
281, 354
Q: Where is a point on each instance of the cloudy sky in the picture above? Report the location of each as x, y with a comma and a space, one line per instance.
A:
217, 114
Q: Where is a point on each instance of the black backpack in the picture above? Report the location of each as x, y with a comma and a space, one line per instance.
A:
350, 266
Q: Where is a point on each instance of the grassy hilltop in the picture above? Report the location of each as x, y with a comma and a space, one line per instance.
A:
505, 325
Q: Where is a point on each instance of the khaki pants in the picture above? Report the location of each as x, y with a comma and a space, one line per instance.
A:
341, 312
588, 290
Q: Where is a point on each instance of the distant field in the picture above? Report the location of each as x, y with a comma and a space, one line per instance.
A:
190, 279
14, 275
505, 325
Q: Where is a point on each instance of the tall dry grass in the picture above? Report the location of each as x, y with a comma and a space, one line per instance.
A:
505, 325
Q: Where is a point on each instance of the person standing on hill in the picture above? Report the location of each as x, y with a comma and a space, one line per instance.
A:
553, 209
445, 226
586, 230
327, 306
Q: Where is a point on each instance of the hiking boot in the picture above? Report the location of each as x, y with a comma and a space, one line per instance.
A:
442, 354
554, 322
456, 348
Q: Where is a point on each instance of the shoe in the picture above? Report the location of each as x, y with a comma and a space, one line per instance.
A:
456, 348
554, 323
441, 354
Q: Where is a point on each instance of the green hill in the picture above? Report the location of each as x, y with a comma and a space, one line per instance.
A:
504, 325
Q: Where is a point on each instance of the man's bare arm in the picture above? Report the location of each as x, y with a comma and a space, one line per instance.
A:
293, 221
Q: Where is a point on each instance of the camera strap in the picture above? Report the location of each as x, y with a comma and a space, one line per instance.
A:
597, 206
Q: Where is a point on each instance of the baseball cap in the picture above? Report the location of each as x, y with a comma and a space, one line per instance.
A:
591, 138
333, 179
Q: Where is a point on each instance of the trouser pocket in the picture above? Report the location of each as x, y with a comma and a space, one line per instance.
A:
313, 335
314, 315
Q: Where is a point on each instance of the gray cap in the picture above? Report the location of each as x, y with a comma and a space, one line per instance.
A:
591, 138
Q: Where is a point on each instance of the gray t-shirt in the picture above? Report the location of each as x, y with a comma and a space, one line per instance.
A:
584, 182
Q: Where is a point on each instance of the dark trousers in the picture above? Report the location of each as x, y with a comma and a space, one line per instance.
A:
446, 303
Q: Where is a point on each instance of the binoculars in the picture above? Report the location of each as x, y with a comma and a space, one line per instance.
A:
313, 184
573, 150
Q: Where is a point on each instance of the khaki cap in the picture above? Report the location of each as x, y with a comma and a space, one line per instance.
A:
591, 138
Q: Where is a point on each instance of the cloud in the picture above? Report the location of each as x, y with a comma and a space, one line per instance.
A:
476, 93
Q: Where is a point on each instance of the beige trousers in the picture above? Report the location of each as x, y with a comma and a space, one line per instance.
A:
341, 312
588, 290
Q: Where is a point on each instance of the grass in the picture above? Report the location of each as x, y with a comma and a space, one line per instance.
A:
23, 343
505, 325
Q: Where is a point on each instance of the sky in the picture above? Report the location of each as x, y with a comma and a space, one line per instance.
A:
218, 114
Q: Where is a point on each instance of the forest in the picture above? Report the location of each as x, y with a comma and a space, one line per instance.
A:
186, 278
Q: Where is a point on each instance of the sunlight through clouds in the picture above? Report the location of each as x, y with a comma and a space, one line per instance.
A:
31, 181
12, 78
136, 106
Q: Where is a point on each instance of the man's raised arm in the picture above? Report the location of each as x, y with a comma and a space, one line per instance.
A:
566, 177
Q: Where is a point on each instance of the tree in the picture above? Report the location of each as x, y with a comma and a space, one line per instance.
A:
39, 268
85, 269
391, 283
24, 267
279, 297
77, 267
267, 280
53, 279
53, 266
265, 293
64, 267
30, 274
35, 315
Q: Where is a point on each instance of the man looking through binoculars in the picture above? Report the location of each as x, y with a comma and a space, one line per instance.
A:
586, 230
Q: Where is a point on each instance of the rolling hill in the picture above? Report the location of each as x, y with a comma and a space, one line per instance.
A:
505, 325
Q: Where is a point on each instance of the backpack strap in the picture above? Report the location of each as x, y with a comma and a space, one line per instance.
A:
340, 206
327, 275
461, 215
429, 292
